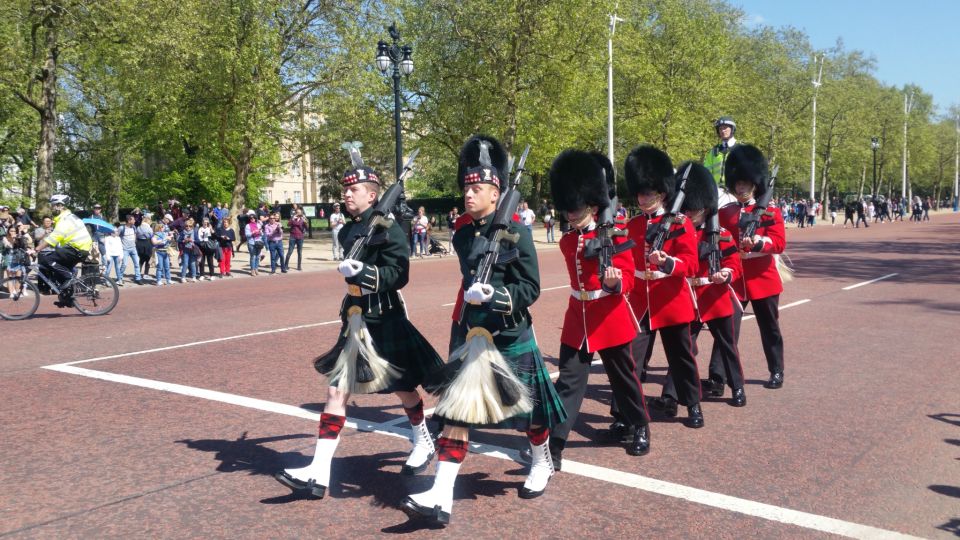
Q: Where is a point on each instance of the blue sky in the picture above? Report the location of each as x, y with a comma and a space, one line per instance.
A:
912, 42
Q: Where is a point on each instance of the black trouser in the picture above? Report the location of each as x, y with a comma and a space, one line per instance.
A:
767, 313
57, 264
144, 252
621, 371
723, 332
681, 362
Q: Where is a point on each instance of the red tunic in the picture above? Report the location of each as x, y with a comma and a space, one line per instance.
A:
669, 300
760, 275
605, 321
716, 299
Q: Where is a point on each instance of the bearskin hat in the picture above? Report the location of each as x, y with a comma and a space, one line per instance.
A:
700, 192
746, 162
649, 169
470, 159
579, 179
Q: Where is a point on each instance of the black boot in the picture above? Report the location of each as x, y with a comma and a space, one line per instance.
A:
617, 432
641, 442
666, 404
739, 398
713, 387
776, 380
695, 418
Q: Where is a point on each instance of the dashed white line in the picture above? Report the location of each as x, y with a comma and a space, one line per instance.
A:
636, 481
781, 308
862, 283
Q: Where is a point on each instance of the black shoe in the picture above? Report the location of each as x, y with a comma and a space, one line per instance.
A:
641, 442
776, 380
407, 470
617, 432
138, 281
713, 387
739, 398
666, 404
695, 418
63, 303
417, 511
309, 489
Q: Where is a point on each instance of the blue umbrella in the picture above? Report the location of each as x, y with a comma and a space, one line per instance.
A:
101, 225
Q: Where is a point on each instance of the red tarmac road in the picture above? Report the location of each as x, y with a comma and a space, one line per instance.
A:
182, 437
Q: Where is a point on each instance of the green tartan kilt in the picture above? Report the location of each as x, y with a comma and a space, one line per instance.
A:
523, 355
398, 342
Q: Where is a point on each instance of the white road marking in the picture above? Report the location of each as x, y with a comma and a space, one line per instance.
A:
636, 481
204, 342
861, 284
781, 308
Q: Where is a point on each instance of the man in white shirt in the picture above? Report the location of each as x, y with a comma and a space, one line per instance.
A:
337, 221
527, 216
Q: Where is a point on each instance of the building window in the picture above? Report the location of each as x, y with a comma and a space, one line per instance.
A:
297, 198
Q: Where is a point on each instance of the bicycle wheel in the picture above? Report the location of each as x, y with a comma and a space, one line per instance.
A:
95, 295
19, 299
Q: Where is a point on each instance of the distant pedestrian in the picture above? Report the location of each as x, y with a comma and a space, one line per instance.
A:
298, 226
273, 232
226, 237
161, 241
337, 221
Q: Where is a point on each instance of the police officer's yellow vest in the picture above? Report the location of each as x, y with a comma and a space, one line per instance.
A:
69, 230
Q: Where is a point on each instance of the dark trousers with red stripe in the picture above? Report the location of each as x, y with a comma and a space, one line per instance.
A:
722, 330
767, 312
621, 370
683, 378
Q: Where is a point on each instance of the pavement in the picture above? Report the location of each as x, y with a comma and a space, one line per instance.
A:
167, 418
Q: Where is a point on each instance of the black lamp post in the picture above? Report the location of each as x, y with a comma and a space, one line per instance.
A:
399, 57
875, 145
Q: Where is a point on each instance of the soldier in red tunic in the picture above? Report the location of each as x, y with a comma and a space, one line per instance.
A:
719, 267
747, 179
662, 299
598, 318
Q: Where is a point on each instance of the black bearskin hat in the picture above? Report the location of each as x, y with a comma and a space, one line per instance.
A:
700, 192
470, 159
746, 162
649, 169
579, 179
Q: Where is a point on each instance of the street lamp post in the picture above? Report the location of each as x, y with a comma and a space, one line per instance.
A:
813, 149
399, 57
613, 28
956, 177
875, 145
907, 106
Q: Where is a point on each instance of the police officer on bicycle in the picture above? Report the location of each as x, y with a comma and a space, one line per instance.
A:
71, 244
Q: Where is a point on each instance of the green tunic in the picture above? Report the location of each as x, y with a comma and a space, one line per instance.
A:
386, 269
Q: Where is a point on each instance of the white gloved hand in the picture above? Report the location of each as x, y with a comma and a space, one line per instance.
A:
350, 267
478, 293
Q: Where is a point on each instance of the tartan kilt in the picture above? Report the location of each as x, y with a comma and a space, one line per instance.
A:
398, 342
523, 356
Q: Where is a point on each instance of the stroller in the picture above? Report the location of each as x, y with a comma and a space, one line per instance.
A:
436, 248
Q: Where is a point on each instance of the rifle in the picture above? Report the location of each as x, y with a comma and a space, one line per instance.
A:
657, 236
606, 230
749, 222
380, 222
493, 252
713, 243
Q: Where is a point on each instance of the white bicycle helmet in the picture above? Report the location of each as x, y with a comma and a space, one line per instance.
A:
59, 199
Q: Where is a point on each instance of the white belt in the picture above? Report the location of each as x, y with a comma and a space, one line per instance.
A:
753, 255
699, 281
650, 275
588, 295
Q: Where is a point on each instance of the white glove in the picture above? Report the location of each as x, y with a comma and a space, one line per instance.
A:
350, 267
478, 293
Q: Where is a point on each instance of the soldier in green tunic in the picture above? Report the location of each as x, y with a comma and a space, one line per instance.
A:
491, 338
379, 350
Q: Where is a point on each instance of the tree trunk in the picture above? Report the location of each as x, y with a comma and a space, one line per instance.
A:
824, 182
241, 169
863, 179
48, 118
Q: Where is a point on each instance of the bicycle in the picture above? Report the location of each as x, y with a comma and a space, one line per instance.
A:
20, 296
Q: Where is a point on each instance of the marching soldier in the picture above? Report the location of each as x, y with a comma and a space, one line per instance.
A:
379, 350
716, 301
495, 376
662, 300
747, 179
598, 318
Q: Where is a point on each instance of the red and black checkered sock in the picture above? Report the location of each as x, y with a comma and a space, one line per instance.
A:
538, 436
415, 413
451, 450
330, 426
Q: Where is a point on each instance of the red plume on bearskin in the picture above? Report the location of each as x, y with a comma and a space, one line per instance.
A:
649, 169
